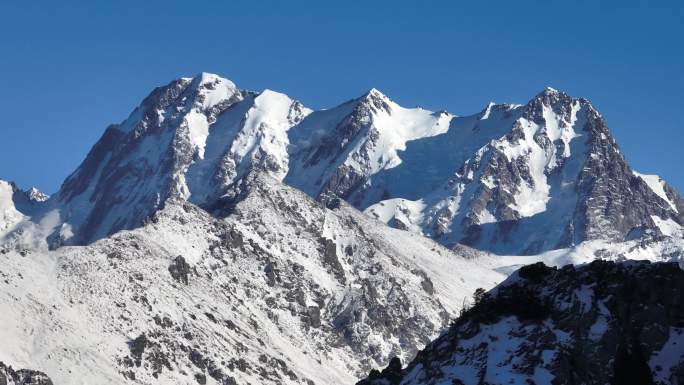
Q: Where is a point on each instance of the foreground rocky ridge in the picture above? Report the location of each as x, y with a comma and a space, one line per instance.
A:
605, 322
284, 290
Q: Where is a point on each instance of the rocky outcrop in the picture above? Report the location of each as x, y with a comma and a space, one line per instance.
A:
180, 270
10, 376
605, 322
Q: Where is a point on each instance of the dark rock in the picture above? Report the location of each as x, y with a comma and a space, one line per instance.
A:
330, 258
425, 282
314, 313
22, 376
197, 359
535, 272
200, 378
180, 270
137, 348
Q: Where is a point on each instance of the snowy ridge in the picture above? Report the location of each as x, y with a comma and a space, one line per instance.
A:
213, 90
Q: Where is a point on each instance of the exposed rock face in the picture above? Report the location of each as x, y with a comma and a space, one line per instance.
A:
180, 270
605, 322
9, 376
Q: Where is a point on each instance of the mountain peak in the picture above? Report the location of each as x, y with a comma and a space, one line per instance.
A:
202, 80
374, 94
484, 114
374, 100
269, 93
557, 100
34, 194
375, 91
213, 89
551, 92
208, 77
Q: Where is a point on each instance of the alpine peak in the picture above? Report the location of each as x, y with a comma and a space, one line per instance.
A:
374, 95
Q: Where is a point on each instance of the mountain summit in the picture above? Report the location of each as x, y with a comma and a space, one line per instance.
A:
187, 140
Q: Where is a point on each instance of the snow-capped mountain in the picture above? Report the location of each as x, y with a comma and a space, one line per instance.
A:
600, 323
551, 164
219, 235
187, 140
490, 180
283, 291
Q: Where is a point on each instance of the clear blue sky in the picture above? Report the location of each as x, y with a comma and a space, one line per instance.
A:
69, 69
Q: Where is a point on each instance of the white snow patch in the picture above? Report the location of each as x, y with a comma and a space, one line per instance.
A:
212, 91
407, 211
485, 216
9, 215
198, 130
664, 361
667, 226
657, 185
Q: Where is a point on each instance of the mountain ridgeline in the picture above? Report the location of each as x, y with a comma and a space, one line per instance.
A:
489, 180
